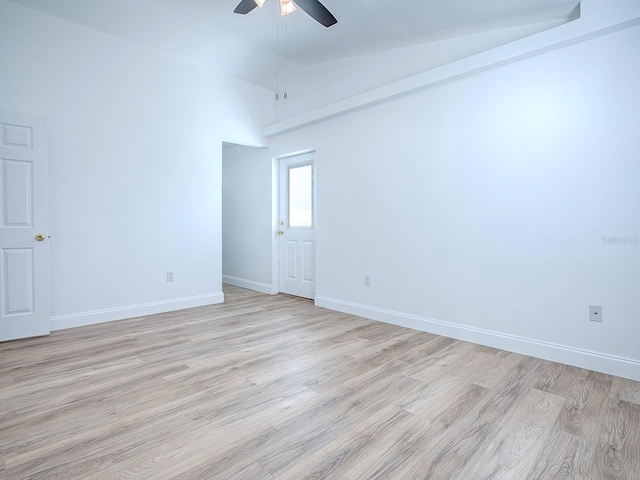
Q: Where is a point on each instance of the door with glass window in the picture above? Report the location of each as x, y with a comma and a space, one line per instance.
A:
297, 226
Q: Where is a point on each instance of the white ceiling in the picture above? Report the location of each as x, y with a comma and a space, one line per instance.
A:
366, 26
205, 30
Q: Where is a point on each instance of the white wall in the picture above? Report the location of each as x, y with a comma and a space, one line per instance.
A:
246, 218
135, 164
479, 207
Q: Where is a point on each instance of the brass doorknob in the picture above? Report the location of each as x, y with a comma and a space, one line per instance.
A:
40, 237
280, 232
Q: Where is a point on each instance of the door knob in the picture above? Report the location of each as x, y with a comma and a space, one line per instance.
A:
40, 237
280, 232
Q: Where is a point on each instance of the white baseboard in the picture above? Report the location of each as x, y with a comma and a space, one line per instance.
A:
248, 284
600, 362
61, 322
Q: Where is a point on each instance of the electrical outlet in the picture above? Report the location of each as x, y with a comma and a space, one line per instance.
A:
169, 276
367, 280
595, 313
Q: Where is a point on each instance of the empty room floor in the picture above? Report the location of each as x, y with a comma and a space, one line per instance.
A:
272, 387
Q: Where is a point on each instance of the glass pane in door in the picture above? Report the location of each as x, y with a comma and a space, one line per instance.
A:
301, 196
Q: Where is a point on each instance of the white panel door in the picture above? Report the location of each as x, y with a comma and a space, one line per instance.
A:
297, 226
24, 224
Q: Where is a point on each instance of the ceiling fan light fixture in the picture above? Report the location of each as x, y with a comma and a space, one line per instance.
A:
287, 7
313, 8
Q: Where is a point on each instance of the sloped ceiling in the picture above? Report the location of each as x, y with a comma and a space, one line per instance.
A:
207, 32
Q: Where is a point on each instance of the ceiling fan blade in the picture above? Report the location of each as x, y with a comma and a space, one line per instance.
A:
317, 11
245, 6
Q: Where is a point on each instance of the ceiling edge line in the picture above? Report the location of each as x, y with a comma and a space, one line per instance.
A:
563, 36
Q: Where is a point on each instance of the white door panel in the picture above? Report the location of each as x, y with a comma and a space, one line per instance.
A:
297, 226
24, 260
308, 261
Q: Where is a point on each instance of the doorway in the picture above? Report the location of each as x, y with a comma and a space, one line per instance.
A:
297, 225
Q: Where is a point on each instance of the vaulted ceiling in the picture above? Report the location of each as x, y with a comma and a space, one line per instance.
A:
209, 33
366, 26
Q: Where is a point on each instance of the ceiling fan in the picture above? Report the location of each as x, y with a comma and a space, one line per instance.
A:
313, 8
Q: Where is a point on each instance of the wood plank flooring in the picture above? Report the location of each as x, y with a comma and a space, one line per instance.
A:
272, 387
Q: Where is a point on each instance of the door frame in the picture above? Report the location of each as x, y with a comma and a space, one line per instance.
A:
275, 214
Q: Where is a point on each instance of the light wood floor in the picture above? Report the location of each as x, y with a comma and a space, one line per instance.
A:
274, 388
